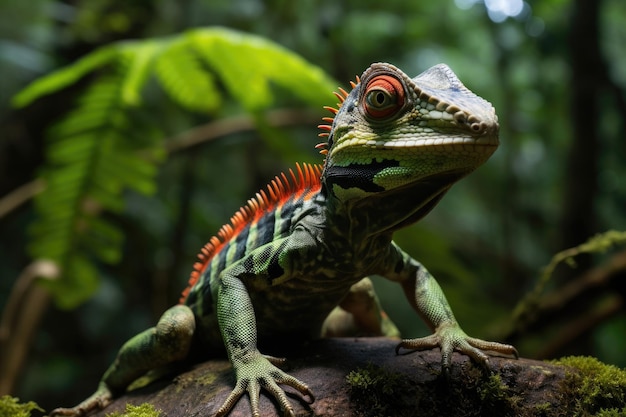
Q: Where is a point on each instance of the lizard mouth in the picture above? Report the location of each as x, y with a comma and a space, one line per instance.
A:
441, 142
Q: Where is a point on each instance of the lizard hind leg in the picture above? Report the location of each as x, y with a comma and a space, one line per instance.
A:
169, 341
359, 314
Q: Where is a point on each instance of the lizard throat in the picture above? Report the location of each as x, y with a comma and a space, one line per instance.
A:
385, 211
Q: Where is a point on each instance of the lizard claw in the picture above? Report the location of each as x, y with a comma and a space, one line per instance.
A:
450, 337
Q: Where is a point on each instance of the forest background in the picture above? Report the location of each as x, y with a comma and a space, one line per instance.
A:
554, 69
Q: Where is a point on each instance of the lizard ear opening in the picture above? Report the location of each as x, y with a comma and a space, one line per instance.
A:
384, 96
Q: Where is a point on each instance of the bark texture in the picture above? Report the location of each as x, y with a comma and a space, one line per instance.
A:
364, 377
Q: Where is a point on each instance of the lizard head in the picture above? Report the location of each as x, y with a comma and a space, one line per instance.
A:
392, 132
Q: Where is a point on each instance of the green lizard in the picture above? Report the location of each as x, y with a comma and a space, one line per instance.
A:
291, 255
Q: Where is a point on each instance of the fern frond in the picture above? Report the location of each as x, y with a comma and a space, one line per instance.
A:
196, 89
90, 162
248, 65
138, 58
65, 76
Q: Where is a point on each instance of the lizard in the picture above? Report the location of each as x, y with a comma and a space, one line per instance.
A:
393, 146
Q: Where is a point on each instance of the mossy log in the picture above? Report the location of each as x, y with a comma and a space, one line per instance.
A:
364, 377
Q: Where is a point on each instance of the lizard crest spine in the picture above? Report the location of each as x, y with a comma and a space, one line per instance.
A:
280, 190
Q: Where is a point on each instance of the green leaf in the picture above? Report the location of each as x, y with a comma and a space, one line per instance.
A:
185, 80
65, 76
138, 58
90, 163
248, 64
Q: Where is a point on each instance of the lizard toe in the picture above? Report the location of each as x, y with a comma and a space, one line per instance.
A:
500, 348
232, 399
275, 361
423, 343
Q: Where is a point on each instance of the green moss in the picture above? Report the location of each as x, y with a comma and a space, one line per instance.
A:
11, 407
143, 410
543, 409
590, 388
593, 388
478, 393
377, 392
494, 394
612, 413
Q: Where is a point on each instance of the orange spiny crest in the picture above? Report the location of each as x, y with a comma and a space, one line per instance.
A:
322, 148
253, 205
277, 185
261, 204
225, 231
238, 219
331, 109
185, 293
271, 188
294, 180
281, 189
281, 183
304, 175
342, 95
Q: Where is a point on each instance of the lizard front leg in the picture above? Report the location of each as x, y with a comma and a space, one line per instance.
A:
428, 299
253, 370
167, 342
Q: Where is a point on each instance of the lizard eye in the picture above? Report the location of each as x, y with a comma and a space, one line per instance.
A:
384, 95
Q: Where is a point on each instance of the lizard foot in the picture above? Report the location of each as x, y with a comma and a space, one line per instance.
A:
97, 401
450, 337
259, 372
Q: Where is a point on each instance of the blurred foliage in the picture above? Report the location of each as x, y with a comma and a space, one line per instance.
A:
123, 62
600, 243
11, 407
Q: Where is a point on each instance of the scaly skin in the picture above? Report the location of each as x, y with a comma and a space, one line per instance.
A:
299, 249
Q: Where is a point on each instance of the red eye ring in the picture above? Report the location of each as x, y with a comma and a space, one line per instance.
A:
383, 97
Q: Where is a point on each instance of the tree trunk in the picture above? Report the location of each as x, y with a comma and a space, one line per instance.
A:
588, 77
